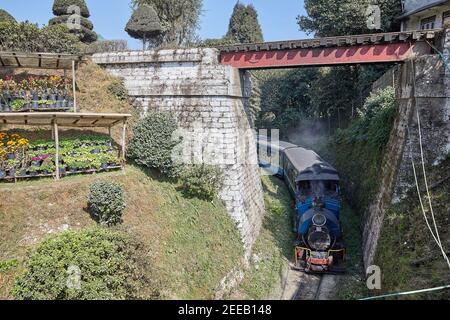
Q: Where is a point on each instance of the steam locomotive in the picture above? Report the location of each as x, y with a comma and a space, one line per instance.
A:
314, 184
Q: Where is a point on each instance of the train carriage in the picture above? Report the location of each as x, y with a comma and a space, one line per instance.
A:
314, 184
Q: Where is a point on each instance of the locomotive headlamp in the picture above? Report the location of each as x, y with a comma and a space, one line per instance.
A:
319, 220
319, 239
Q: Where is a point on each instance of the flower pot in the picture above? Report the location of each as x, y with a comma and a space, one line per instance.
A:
34, 105
105, 166
12, 173
2, 174
22, 172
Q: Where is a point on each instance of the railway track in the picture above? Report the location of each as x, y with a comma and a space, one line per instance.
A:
303, 286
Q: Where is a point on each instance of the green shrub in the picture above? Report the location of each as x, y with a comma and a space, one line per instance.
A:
106, 202
63, 20
152, 143
28, 37
362, 145
7, 265
90, 264
60, 7
101, 46
118, 89
6, 17
202, 181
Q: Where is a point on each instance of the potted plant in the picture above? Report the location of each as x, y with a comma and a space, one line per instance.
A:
22, 172
33, 170
12, 164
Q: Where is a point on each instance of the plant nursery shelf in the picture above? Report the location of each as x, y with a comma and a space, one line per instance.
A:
66, 173
68, 119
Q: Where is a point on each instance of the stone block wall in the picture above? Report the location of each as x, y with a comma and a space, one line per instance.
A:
423, 88
209, 100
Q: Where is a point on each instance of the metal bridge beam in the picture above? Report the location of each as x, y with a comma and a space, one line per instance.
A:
326, 56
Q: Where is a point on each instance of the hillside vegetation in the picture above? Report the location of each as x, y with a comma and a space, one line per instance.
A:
192, 243
407, 253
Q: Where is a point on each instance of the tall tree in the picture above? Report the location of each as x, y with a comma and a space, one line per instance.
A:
6, 17
244, 26
74, 13
179, 19
145, 25
332, 18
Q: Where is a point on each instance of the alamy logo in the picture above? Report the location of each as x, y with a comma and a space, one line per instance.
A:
373, 274
74, 21
373, 15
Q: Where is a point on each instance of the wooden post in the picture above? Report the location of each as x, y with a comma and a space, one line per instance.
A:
74, 88
55, 129
124, 137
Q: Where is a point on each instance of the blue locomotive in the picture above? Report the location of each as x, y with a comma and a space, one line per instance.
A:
315, 186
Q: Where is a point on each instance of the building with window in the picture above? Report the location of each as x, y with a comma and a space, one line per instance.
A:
425, 14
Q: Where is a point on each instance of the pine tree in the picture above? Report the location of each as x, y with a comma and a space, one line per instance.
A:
64, 13
6, 17
145, 25
244, 26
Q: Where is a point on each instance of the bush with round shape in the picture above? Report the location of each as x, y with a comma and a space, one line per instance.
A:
144, 24
153, 143
62, 13
92, 264
6, 17
63, 20
106, 202
202, 181
61, 7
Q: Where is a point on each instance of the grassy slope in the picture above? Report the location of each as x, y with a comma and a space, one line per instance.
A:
408, 256
273, 247
186, 236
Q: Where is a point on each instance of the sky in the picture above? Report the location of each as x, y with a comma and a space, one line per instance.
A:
277, 17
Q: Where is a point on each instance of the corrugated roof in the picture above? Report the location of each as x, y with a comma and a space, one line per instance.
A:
64, 119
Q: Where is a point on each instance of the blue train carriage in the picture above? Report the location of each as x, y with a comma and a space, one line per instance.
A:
315, 186
270, 155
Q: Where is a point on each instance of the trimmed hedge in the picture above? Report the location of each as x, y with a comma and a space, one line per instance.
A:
107, 46
63, 20
92, 264
29, 37
107, 202
60, 7
152, 143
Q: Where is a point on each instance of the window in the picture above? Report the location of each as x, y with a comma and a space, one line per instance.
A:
445, 17
428, 23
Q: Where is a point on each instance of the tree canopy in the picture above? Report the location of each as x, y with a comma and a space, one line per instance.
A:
332, 18
179, 19
6, 17
64, 12
244, 25
144, 24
